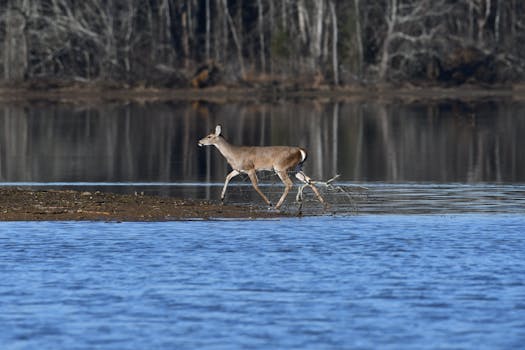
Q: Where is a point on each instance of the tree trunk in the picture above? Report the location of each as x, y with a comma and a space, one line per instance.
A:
272, 28
185, 38
301, 20
497, 21
261, 35
482, 21
334, 43
127, 39
359, 42
317, 36
15, 46
470, 20
390, 17
284, 17
207, 38
235, 38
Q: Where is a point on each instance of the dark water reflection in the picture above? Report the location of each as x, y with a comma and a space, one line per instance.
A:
389, 141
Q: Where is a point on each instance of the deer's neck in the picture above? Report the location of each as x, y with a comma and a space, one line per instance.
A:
228, 150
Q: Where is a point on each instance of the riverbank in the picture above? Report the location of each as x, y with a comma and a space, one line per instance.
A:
25, 204
82, 93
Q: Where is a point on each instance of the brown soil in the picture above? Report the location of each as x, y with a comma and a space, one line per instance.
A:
20, 204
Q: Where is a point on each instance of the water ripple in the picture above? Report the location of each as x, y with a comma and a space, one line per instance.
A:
366, 281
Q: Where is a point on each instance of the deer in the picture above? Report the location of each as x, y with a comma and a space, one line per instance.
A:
251, 159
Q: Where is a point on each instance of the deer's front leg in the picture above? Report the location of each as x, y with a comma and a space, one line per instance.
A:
230, 176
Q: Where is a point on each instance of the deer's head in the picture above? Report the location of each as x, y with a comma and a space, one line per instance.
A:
212, 138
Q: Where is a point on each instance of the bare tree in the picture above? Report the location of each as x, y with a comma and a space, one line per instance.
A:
128, 40
260, 21
317, 33
236, 40
412, 29
335, 55
208, 27
15, 45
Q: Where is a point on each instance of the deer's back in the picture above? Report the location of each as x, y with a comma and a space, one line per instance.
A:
281, 158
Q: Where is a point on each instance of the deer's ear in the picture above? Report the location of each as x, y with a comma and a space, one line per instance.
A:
217, 130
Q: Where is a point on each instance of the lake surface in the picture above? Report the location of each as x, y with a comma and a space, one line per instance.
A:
363, 282
416, 156
429, 256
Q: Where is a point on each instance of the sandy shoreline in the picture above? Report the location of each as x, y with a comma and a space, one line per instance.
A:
26, 204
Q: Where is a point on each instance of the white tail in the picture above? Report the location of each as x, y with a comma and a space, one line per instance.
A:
249, 160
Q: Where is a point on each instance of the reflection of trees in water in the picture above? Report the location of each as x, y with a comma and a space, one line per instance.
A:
364, 140
445, 141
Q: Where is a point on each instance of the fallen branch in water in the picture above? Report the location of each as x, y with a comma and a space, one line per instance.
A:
329, 186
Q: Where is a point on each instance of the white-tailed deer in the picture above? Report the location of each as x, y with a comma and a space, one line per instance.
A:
250, 159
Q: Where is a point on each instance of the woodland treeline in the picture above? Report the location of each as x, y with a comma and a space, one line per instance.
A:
177, 43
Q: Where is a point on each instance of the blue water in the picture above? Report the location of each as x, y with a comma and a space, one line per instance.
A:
360, 282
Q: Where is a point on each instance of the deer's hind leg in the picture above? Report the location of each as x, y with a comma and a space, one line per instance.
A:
288, 184
301, 176
253, 177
